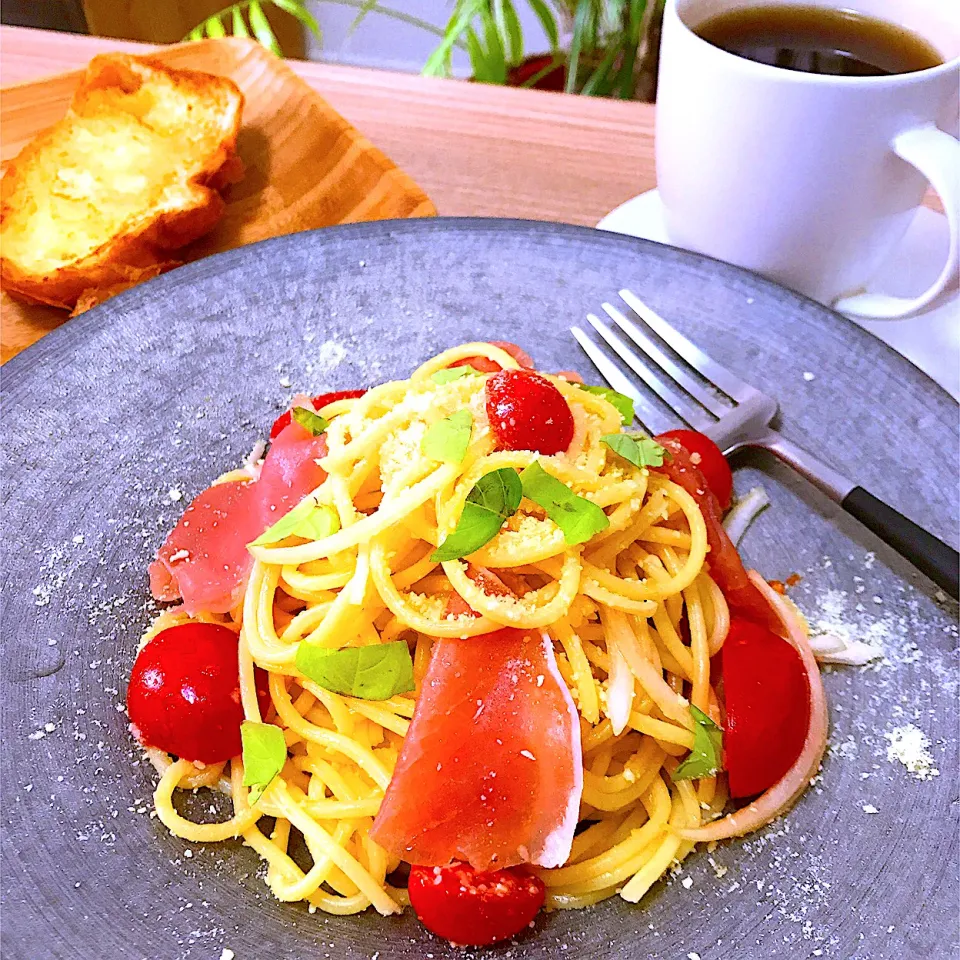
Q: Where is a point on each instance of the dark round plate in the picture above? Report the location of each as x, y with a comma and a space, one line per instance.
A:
111, 418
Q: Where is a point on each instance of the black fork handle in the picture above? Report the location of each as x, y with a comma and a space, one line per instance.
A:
928, 554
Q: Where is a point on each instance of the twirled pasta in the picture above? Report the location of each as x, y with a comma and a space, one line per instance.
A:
635, 598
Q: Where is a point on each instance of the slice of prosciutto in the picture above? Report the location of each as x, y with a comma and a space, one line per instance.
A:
490, 772
205, 561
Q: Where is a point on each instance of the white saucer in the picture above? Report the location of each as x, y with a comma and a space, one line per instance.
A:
930, 340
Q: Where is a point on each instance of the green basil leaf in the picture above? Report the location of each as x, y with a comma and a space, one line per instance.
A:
704, 758
264, 754
578, 518
370, 673
308, 519
622, 402
641, 451
447, 439
492, 501
309, 420
449, 374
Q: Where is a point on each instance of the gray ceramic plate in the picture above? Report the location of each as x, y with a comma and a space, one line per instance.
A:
112, 416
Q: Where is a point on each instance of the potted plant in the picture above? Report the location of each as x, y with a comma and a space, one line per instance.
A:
605, 48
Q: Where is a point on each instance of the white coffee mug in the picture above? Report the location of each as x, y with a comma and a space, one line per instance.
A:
808, 179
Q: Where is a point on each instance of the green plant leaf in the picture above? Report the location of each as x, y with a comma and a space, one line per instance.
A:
620, 400
366, 7
624, 81
376, 672
578, 42
438, 63
299, 10
578, 518
310, 420
494, 498
447, 439
264, 754
600, 81
238, 25
308, 519
196, 33
548, 21
262, 29
639, 450
496, 58
449, 374
214, 28
512, 29
704, 758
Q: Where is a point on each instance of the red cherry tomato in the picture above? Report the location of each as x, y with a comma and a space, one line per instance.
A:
318, 402
711, 463
486, 365
527, 412
184, 693
767, 698
471, 908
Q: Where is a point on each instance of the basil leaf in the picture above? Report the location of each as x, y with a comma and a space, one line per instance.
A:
704, 758
309, 420
264, 754
622, 402
578, 518
492, 501
639, 450
447, 440
370, 673
449, 374
307, 519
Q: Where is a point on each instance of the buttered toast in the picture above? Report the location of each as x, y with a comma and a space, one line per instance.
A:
104, 198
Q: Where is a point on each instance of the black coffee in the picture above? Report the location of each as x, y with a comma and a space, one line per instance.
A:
819, 40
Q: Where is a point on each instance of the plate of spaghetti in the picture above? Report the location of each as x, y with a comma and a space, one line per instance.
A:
339, 624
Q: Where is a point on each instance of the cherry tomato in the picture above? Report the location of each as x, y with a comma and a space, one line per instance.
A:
527, 412
184, 693
318, 402
710, 460
767, 698
471, 908
486, 365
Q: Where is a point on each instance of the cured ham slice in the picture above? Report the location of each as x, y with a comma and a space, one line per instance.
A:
205, 561
724, 561
491, 772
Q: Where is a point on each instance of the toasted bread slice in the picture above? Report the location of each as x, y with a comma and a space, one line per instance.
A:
97, 202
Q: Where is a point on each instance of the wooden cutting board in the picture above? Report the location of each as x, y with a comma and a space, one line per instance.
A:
306, 166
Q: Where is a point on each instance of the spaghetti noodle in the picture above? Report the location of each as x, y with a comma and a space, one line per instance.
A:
633, 614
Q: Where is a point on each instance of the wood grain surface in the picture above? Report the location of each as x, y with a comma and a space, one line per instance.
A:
306, 166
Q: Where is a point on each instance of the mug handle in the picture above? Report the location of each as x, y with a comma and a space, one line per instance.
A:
937, 156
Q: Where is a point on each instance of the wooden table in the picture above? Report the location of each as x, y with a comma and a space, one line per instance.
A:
477, 150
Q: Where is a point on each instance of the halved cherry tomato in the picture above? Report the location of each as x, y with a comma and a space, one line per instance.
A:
710, 461
767, 697
486, 365
726, 567
527, 412
184, 693
321, 401
471, 908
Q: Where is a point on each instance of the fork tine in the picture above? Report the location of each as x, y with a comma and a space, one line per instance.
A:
692, 414
719, 375
645, 413
665, 363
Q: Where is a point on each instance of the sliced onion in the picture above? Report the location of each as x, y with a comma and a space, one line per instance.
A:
781, 796
619, 688
744, 512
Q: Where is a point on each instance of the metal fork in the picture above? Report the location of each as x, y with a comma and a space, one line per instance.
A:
735, 415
